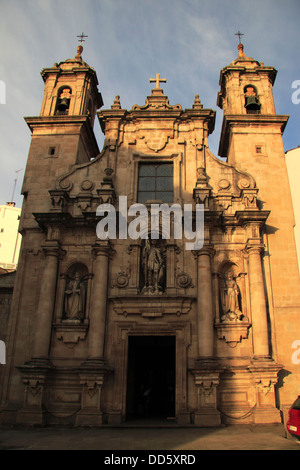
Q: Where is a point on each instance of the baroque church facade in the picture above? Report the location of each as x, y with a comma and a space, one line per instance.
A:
106, 330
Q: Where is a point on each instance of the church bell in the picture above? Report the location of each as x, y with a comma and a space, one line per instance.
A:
63, 104
252, 102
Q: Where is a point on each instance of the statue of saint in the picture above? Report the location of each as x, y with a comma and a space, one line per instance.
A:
75, 296
230, 298
153, 267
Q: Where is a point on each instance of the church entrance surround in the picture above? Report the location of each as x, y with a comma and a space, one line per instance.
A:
150, 372
150, 377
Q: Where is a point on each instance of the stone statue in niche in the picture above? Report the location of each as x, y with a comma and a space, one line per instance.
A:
230, 293
75, 298
153, 267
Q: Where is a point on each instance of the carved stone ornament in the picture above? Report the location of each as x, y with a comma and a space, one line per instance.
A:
233, 333
151, 308
250, 198
184, 280
59, 199
121, 280
71, 331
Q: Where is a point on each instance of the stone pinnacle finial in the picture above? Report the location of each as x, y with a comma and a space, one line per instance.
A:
79, 52
240, 45
197, 103
241, 50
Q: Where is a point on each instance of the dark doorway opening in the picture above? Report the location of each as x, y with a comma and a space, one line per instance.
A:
151, 377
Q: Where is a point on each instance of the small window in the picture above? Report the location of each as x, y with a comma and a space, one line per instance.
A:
51, 151
155, 182
258, 149
1, 230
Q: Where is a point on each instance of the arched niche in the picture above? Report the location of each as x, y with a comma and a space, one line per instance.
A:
229, 292
252, 103
63, 100
75, 292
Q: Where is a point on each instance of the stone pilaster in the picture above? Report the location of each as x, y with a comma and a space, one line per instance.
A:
207, 375
98, 309
258, 303
264, 375
206, 371
263, 368
45, 309
91, 377
92, 372
35, 372
205, 303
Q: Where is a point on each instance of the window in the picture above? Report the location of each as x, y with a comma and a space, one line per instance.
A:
51, 150
155, 182
258, 149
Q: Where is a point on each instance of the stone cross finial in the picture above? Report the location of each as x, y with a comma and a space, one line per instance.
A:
81, 37
80, 48
239, 34
157, 80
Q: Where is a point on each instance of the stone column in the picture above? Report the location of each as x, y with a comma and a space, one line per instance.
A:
98, 307
45, 308
205, 303
206, 371
263, 369
92, 372
34, 373
258, 303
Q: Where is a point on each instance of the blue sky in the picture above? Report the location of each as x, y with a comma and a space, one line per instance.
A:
186, 41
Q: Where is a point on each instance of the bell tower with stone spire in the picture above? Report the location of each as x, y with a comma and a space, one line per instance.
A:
251, 140
71, 89
62, 135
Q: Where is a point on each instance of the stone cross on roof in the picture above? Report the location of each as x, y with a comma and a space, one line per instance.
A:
81, 37
157, 80
239, 34
80, 48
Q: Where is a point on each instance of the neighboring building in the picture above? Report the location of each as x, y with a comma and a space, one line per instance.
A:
10, 238
7, 280
208, 332
292, 158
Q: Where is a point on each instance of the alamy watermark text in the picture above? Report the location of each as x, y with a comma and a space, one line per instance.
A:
158, 218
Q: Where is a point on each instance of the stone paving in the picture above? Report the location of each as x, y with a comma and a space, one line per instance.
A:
259, 437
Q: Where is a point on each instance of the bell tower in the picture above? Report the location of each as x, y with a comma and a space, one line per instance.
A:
251, 141
62, 135
246, 98
71, 89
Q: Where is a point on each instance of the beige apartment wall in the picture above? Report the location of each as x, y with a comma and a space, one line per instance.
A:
293, 169
10, 239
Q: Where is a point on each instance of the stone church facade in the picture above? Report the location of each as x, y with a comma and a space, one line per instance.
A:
105, 330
